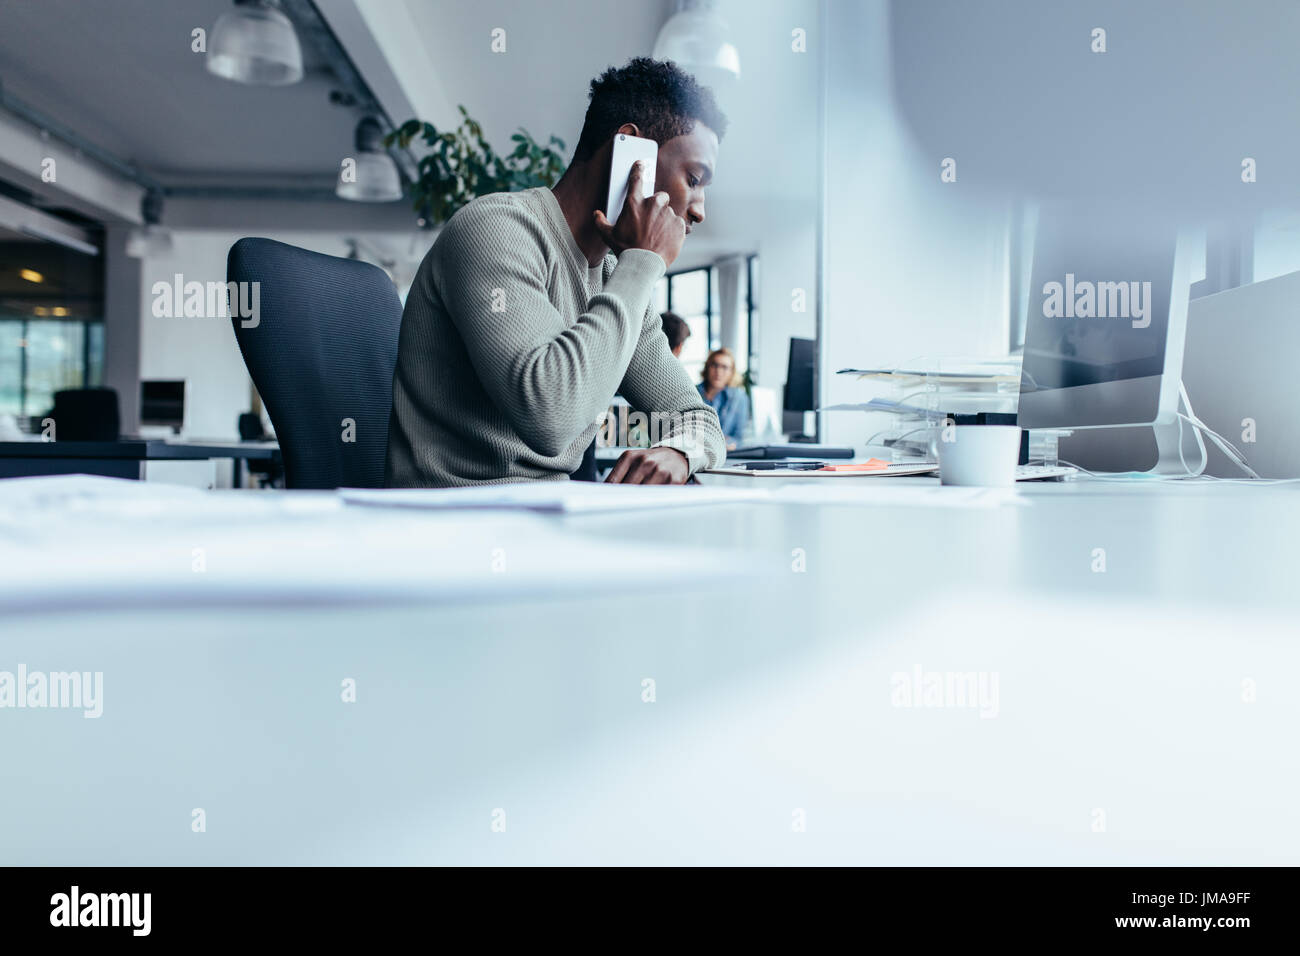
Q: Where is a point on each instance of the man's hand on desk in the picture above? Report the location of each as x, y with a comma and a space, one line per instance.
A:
651, 466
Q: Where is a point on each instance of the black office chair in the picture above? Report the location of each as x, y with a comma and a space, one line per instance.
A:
85, 414
321, 354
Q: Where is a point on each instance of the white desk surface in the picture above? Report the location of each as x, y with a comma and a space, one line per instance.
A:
1122, 731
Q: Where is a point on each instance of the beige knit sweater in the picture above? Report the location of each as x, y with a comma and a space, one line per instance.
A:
512, 348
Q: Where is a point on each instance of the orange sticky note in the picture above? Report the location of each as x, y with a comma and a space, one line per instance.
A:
872, 464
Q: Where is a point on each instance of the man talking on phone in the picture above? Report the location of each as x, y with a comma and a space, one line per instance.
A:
533, 308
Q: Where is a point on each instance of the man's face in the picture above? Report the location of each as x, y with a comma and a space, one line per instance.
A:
684, 169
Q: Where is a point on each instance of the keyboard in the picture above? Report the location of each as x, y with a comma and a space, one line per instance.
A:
1040, 472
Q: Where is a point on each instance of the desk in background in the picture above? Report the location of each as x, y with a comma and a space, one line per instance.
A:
150, 459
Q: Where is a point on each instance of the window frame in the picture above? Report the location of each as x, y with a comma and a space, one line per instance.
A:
708, 296
710, 317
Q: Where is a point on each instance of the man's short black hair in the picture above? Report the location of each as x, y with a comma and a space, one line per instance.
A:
661, 98
675, 328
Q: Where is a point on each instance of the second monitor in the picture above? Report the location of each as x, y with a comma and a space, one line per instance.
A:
1106, 325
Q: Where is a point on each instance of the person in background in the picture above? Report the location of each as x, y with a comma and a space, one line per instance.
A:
720, 392
677, 330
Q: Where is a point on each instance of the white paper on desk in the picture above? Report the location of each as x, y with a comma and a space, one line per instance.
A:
33, 510
566, 497
348, 555
62, 491
873, 493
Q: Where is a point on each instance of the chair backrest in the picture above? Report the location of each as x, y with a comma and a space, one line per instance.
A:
321, 349
86, 414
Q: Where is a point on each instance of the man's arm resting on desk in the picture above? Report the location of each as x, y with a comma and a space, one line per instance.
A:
685, 432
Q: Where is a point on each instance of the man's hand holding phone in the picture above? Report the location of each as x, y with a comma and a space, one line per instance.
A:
644, 223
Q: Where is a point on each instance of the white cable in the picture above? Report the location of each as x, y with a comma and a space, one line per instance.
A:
1200, 442
1234, 454
1181, 459
1146, 476
1249, 481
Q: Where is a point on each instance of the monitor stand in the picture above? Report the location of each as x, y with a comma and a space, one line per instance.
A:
1117, 449
792, 424
1169, 435
1168, 461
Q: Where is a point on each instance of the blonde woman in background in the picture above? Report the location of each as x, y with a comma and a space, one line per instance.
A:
721, 392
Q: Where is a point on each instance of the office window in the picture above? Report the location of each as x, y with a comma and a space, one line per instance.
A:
11, 367
687, 294
55, 360
51, 323
694, 295
659, 299
94, 354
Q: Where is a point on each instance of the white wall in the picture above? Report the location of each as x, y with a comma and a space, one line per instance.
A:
765, 196
787, 262
1277, 244
914, 267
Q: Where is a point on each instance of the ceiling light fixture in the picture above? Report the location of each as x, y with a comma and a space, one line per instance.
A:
31, 275
696, 39
372, 176
151, 239
255, 43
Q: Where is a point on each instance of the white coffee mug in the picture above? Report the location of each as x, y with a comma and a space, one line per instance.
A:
980, 455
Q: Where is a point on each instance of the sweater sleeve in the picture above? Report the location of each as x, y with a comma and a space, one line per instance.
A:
551, 379
657, 385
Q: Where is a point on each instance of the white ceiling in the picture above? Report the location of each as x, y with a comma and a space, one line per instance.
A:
122, 74
124, 77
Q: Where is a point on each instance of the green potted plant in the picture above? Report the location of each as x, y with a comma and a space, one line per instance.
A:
461, 165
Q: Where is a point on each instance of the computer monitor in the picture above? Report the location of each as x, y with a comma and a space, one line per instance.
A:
799, 394
799, 376
1106, 323
1239, 369
163, 403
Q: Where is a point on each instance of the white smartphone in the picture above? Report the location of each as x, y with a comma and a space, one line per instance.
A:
627, 150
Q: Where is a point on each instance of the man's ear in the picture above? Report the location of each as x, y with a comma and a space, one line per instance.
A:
631, 129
